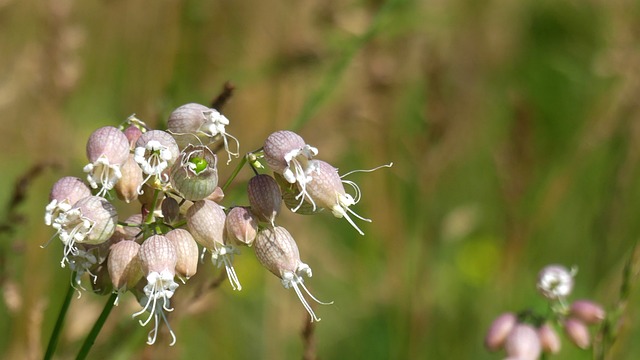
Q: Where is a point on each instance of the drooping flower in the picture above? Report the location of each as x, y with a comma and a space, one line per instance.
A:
326, 189
155, 152
91, 220
192, 123
555, 282
287, 154
195, 175
127, 188
158, 260
206, 221
124, 266
65, 192
107, 150
241, 225
277, 252
186, 252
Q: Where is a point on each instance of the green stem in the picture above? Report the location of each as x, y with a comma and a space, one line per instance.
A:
55, 335
91, 338
235, 173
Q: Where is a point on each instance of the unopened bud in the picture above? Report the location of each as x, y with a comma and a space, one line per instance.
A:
205, 220
265, 197
241, 225
186, 251
170, 210
549, 339
577, 332
587, 311
127, 187
124, 267
499, 330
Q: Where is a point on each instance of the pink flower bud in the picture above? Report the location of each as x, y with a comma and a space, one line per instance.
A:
577, 332
186, 250
127, 187
523, 342
587, 311
241, 225
124, 266
195, 175
555, 282
65, 192
107, 150
132, 133
499, 330
549, 339
265, 197
277, 252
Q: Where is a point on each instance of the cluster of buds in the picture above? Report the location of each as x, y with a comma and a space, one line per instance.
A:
527, 335
173, 177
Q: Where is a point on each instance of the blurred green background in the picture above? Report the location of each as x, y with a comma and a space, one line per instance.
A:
514, 128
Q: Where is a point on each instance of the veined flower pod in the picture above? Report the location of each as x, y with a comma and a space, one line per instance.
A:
195, 175
241, 225
124, 266
155, 152
195, 123
65, 192
326, 190
186, 250
277, 252
92, 220
107, 150
206, 221
265, 197
158, 260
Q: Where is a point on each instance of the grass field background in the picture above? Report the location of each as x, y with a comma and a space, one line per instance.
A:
514, 129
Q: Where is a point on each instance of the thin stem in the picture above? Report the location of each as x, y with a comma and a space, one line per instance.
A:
234, 173
57, 329
91, 338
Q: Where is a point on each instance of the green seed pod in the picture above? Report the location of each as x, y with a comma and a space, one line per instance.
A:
195, 175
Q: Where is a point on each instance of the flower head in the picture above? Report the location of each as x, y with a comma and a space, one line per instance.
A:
155, 151
277, 252
91, 220
65, 192
107, 150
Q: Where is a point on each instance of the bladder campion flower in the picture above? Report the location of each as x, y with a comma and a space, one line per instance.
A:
155, 151
107, 150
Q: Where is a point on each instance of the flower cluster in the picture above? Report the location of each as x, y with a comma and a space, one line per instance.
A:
526, 335
173, 176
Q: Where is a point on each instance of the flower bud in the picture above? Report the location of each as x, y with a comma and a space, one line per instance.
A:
195, 175
107, 150
217, 195
577, 332
65, 192
587, 311
132, 133
124, 266
277, 252
555, 282
325, 189
134, 226
265, 197
499, 330
127, 187
241, 225
523, 342
170, 210
549, 339
186, 251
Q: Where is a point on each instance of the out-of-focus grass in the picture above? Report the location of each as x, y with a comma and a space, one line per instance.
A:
513, 128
